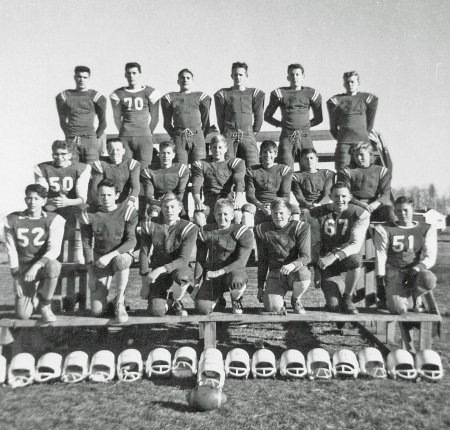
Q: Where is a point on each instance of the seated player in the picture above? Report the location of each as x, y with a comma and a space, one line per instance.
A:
284, 252
222, 253
369, 184
112, 228
219, 178
124, 172
169, 177
405, 251
67, 184
167, 267
33, 242
343, 228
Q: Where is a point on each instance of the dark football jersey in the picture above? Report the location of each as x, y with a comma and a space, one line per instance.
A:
309, 188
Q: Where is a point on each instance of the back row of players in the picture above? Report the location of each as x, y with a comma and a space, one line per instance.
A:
329, 236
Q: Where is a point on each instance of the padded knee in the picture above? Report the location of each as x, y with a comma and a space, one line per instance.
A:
295, 209
200, 218
121, 262
157, 307
24, 307
249, 208
99, 298
302, 274
204, 307
332, 293
273, 302
352, 262
52, 269
425, 281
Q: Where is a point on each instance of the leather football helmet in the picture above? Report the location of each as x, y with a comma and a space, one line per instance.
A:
371, 363
103, 366
400, 363
49, 367
264, 364
75, 367
130, 366
428, 364
318, 364
206, 398
21, 370
184, 363
159, 362
237, 363
292, 364
345, 363
211, 370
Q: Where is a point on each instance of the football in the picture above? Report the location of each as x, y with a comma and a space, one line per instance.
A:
206, 398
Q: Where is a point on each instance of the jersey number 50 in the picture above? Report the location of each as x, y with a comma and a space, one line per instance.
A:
67, 183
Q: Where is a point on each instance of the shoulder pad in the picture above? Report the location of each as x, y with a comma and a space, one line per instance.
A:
133, 164
286, 170
278, 93
182, 169
129, 212
235, 162
97, 95
97, 166
189, 226
239, 231
315, 96
203, 96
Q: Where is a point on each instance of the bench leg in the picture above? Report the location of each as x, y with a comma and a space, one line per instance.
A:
425, 335
207, 331
407, 331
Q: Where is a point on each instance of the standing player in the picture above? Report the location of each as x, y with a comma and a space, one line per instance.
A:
405, 251
111, 227
33, 242
352, 115
295, 103
240, 115
343, 228
222, 253
173, 240
186, 119
77, 110
284, 252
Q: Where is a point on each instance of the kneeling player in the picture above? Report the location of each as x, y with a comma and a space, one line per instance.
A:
173, 240
222, 251
405, 250
33, 242
284, 252
112, 226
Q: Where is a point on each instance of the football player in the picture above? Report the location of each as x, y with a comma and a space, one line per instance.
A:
405, 251
219, 178
173, 240
186, 119
108, 234
77, 110
343, 228
239, 113
352, 115
284, 252
294, 102
222, 253
33, 243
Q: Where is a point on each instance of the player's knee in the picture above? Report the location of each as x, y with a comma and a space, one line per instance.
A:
200, 218
157, 307
273, 302
295, 212
121, 262
352, 262
52, 269
99, 299
425, 280
24, 308
182, 276
302, 274
98, 307
204, 307
332, 294
397, 305
248, 215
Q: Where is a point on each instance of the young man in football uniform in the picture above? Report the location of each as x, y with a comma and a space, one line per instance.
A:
239, 113
111, 227
33, 243
352, 115
295, 103
77, 110
223, 249
167, 266
405, 251
343, 228
219, 178
186, 119
284, 252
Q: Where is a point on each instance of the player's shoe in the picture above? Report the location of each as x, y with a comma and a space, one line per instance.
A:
297, 306
220, 305
237, 307
47, 315
178, 309
121, 313
382, 305
347, 305
419, 306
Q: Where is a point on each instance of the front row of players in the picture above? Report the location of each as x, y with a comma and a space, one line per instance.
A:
405, 252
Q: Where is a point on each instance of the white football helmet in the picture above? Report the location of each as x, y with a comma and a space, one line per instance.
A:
428, 364
371, 363
21, 370
318, 364
345, 363
400, 363
292, 364
159, 362
237, 363
2, 369
130, 366
264, 364
211, 370
76, 367
49, 367
184, 363
103, 366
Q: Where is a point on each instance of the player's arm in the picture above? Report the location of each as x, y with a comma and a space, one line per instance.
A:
381, 243
250, 190
371, 111
197, 183
40, 179
129, 235
205, 106
298, 193
189, 237
147, 182
263, 258
13, 257
384, 189
244, 245
117, 110
183, 175
357, 235
96, 176
429, 250
81, 190
271, 108
258, 110
87, 236
286, 184
100, 104
60, 102
167, 110
145, 247
54, 241
219, 101
329, 181
303, 244
333, 115
316, 107
135, 186
153, 107
238, 173
200, 258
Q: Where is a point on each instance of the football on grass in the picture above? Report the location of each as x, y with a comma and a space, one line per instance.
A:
206, 398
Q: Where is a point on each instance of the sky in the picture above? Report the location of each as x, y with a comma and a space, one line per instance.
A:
401, 50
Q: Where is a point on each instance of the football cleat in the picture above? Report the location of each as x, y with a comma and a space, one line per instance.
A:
237, 363
345, 363
21, 370
428, 364
206, 398
264, 364
130, 366
371, 363
292, 364
103, 366
184, 363
318, 364
400, 363
75, 367
211, 370
2, 369
159, 362
49, 367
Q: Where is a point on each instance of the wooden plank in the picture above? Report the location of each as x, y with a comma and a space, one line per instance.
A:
210, 334
390, 333
425, 335
378, 340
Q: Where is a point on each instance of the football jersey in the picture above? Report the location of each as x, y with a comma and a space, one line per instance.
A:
264, 185
135, 106
77, 110
309, 188
239, 110
352, 117
294, 106
172, 245
183, 111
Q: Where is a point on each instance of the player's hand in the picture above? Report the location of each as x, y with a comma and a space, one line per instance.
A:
326, 260
103, 261
31, 274
131, 201
199, 206
145, 289
266, 210
239, 201
287, 268
18, 291
215, 274
195, 292
61, 202
260, 295
154, 274
365, 206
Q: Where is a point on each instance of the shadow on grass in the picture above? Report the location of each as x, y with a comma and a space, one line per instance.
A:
174, 406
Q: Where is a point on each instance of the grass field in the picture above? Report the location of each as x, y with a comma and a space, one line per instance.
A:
258, 404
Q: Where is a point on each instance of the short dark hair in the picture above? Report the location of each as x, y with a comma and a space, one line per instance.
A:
132, 65
339, 184
361, 146
167, 144
218, 138
113, 140
61, 144
280, 203
107, 183
82, 69
295, 66
268, 145
184, 71
38, 189
306, 151
239, 65
350, 74
404, 200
